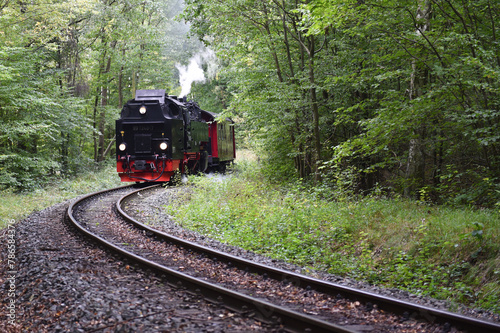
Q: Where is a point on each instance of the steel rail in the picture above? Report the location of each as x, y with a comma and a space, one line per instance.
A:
383, 302
238, 302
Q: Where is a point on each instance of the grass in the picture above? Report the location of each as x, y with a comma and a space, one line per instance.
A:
447, 253
16, 206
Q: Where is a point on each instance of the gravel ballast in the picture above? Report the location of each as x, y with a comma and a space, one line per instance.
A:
148, 207
63, 283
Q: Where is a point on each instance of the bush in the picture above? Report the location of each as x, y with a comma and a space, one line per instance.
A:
25, 172
15, 206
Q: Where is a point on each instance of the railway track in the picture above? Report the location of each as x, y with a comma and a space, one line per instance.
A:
271, 295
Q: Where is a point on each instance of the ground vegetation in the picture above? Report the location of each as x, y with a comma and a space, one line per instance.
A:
16, 206
440, 251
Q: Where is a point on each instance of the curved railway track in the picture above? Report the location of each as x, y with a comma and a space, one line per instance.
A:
159, 251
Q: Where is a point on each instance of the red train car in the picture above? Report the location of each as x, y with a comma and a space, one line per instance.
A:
222, 146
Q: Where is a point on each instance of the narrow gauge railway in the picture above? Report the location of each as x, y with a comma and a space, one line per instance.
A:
93, 215
302, 303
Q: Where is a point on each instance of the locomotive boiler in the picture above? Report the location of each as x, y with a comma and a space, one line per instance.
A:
158, 135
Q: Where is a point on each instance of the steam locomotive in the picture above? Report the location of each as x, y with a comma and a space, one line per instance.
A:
158, 135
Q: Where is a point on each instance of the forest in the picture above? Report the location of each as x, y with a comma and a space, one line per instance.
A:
355, 97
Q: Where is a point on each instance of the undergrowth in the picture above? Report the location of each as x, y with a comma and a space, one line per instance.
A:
16, 206
447, 253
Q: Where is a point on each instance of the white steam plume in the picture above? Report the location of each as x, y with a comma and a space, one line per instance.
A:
193, 72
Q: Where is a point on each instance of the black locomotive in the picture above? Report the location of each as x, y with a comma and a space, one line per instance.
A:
158, 135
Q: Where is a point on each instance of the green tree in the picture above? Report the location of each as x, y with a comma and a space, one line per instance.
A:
402, 94
37, 112
66, 69
273, 65
432, 81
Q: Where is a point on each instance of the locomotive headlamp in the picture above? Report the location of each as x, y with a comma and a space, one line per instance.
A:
142, 110
163, 146
122, 146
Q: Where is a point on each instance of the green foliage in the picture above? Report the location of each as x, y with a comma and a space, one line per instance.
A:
65, 70
24, 173
443, 252
16, 206
403, 89
36, 128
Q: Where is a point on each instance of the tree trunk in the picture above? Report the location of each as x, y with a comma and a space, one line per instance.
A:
415, 167
315, 111
104, 104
